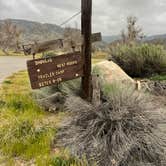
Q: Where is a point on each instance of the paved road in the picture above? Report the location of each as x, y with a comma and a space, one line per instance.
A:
10, 65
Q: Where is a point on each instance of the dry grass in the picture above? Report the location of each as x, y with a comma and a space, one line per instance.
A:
100, 55
120, 132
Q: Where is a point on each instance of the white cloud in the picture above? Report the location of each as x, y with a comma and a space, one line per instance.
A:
109, 16
31, 6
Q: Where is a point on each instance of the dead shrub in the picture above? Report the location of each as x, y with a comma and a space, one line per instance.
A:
120, 132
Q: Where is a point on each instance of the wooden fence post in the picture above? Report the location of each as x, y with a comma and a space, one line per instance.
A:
86, 29
96, 95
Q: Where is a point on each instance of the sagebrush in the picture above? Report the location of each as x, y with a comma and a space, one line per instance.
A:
120, 132
140, 60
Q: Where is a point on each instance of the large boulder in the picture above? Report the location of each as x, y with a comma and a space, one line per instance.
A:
110, 72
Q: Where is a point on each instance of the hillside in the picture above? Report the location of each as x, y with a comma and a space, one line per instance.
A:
38, 31
33, 31
110, 39
155, 37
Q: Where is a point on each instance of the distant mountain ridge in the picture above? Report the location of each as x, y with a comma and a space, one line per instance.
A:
33, 31
153, 37
110, 39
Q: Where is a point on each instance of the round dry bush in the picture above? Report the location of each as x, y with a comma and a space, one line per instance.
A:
120, 132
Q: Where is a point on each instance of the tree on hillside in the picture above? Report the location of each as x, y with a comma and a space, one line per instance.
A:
9, 36
123, 36
72, 37
134, 32
18, 33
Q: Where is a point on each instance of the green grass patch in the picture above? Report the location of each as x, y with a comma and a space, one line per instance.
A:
26, 131
11, 53
158, 78
20, 54
23, 138
7, 82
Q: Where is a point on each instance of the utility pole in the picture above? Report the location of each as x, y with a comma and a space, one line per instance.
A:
86, 29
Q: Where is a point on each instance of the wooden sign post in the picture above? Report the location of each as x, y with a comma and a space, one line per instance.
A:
54, 70
86, 29
49, 71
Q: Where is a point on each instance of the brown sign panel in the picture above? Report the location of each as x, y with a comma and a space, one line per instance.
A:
96, 37
50, 71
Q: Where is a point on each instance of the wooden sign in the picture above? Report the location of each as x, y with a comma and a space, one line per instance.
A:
32, 49
54, 70
35, 48
96, 37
